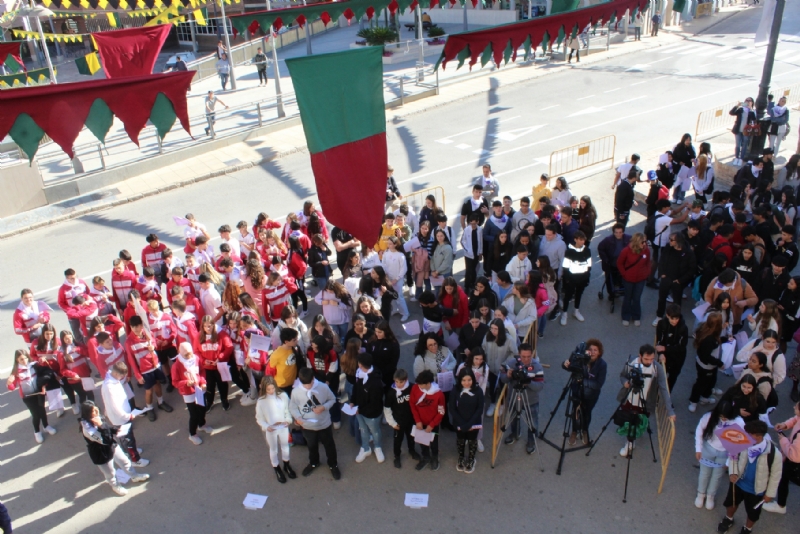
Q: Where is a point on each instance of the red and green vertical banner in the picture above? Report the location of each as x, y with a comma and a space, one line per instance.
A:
340, 96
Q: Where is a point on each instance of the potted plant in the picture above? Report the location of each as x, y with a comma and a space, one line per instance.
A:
378, 36
436, 32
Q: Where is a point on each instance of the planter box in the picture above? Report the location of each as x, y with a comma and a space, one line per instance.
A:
407, 52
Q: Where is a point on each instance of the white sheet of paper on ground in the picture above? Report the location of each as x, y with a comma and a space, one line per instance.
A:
346, 408
260, 343
253, 501
224, 371
199, 396
416, 500
412, 328
137, 412
88, 384
128, 390
422, 437
54, 400
122, 477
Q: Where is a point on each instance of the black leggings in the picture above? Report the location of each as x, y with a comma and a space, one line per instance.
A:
197, 417
570, 290
300, 296
262, 75
404, 432
212, 380
35, 404
704, 385
239, 377
577, 54
72, 389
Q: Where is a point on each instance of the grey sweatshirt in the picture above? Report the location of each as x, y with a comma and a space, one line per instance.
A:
554, 250
301, 405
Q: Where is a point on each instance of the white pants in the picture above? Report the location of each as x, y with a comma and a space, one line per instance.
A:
401, 300
775, 140
121, 460
278, 438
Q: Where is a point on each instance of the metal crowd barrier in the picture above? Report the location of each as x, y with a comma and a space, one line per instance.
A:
587, 154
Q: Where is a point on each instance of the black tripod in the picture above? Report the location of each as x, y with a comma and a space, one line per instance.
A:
631, 416
518, 406
574, 407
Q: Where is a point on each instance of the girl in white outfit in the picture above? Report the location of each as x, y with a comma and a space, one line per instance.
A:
272, 414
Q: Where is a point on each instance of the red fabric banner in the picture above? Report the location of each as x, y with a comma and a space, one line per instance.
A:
350, 185
516, 33
11, 49
61, 110
131, 52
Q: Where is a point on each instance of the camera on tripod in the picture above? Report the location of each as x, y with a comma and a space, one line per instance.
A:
520, 378
636, 376
578, 361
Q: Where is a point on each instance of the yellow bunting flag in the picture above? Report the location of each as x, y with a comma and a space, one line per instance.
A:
123, 4
85, 4
199, 18
102, 4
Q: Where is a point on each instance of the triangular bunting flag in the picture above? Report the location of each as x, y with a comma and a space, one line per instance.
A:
88, 64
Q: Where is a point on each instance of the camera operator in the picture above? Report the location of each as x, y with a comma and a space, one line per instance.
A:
524, 372
589, 370
643, 379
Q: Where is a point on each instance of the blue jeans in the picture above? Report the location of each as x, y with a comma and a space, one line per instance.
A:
709, 478
679, 194
741, 145
632, 301
341, 331
369, 427
223, 78
321, 281
542, 323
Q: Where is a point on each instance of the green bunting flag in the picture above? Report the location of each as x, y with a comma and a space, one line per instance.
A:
88, 64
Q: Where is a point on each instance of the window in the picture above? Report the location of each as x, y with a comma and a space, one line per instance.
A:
184, 29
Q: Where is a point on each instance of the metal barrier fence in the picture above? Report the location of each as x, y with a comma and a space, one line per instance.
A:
718, 119
666, 438
497, 432
576, 157
416, 200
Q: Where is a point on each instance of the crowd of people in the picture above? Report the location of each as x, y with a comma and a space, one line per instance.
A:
200, 319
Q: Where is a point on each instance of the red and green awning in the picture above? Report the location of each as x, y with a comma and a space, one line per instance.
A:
345, 128
500, 43
60, 111
326, 11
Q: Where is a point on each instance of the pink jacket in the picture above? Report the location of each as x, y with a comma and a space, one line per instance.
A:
542, 300
791, 449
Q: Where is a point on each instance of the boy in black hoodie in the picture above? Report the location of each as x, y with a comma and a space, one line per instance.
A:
398, 415
672, 337
433, 312
368, 398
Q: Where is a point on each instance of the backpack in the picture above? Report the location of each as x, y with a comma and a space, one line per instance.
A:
772, 398
650, 228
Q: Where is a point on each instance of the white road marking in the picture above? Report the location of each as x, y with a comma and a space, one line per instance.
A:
714, 51
447, 140
549, 107
444, 141
584, 97
463, 146
612, 90
596, 109
658, 61
639, 83
733, 54
691, 50
513, 135
587, 111
637, 68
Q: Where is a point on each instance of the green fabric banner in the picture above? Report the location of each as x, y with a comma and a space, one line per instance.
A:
678, 6
562, 6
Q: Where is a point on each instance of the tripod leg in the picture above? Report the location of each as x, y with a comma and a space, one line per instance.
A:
529, 422
650, 435
627, 474
555, 409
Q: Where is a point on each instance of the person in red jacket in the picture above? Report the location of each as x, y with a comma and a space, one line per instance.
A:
210, 351
164, 331
427, 407
74, 364
26, 376
71, 288
108, 352
722, 242
185, 324
275, 297
84, 310
189, 377
178, 280
454, 298
148, 286
633, 264
29, 316
151, 254
190, 301
123, 282
143, 363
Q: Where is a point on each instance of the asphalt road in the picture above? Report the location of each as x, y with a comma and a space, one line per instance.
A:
647, 100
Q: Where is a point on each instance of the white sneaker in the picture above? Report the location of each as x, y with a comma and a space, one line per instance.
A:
362, 455
141, 463
413, 299
480, 446
775, 508
119, 490
196, 440
246, 400
563, 319
140, 477
60, 413
490, 411
709, 400
717, 392
577, 315
207, 429
303, 314
692, 407
623, 452
337, 426
379, 455
637, 323
699, 500
655, 321
50, 430
626, 323
669, 298
76, 409
38, 437
404, 318
709, 502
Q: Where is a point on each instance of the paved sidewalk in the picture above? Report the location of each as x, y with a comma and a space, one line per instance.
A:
272, 146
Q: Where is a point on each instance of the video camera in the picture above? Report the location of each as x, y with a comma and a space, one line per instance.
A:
520, 378
578, 361
636, 376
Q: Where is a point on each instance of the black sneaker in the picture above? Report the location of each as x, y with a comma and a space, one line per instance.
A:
414, 455
209, 408
540, 334
530, 447
511, 438
434, 464
308, 470
422, 463
166, 407
225, 408
280, 475
336, 473
287, 468
397, 463
725, 524
745, 530
151, 414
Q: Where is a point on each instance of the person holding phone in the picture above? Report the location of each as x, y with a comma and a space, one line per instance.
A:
790, 448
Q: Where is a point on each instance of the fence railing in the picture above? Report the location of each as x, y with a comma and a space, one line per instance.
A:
416, 200
718, 119
576, 157
666, 438
497, 427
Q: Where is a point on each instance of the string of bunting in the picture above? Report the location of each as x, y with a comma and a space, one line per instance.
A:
32, 77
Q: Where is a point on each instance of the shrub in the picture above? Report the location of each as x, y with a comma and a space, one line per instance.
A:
378, 36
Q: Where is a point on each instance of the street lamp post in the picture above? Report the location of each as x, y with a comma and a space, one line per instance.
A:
36, 12
276, 68
766, 78
227, 43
